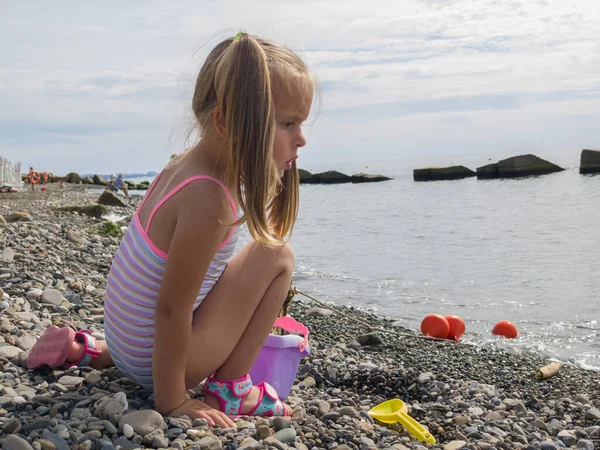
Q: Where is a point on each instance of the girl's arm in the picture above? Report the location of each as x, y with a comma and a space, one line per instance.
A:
194, 243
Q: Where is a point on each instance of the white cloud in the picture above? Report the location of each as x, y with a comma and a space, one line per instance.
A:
429, 77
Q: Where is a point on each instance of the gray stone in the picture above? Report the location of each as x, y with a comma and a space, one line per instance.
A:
518, 166
10, 351
263, 432
109, 199
520, 409
538, 423
142, 422
367, 366
81, 413
592, 414
476, 411
567, 437
26, 341
75, 238
249, 444
461, 420
71, 382
125, 443
14, 442
319, 312
149, 438
52, 296
324, 407
208, 442
127, 430
442, 173
582, 398
286, 435
425, 377
38, 424
34, 293
585, 444
58, 441
372, 338
160, 442
593, 432
590, 161
354, 344
272, 442
454, 445
348, 411
7, 254
493, 416
12, 426
109, 427
93, 377
280, 423
333, 416
46, 445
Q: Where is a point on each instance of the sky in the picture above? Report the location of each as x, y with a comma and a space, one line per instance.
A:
106, 86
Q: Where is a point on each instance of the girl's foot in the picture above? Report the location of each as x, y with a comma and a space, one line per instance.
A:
240, 397
63, 347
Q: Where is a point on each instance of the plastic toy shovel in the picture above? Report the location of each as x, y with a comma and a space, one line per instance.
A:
395, 410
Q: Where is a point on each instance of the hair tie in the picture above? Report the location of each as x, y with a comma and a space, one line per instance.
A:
237, 36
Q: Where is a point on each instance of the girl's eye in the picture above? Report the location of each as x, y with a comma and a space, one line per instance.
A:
289, 124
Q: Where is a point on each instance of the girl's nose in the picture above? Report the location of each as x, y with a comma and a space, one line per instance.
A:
301, 140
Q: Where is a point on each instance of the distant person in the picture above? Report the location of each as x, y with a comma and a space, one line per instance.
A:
122, 185
45, 178
199, 312
111, 184
33, 177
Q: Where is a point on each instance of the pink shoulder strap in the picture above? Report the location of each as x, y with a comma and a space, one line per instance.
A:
179, 187
150, 189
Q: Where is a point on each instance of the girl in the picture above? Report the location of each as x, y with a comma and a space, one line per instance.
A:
177, 309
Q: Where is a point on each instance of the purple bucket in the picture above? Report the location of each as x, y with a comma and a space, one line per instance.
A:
278, 360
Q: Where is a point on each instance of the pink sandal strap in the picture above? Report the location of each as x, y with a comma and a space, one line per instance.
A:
90, 349
268, 403
231, 395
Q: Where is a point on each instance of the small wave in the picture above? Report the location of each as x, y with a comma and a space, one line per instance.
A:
112, 217
584, 366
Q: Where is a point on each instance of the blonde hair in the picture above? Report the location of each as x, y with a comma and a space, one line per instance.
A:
239, 77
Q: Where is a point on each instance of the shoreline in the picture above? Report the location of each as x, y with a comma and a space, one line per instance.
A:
468, 396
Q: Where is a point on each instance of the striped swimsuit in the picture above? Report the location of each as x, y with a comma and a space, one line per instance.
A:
132, 290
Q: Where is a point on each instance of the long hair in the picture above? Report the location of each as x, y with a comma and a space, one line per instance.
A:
239, 77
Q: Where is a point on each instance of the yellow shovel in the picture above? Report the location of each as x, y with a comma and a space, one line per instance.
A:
395, 410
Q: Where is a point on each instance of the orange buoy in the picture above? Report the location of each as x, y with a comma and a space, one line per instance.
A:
506, 329
435, 325
33, 177
457, 327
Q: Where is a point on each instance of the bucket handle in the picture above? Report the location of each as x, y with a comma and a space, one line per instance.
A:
290, 324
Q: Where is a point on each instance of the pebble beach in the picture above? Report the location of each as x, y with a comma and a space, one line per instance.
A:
55, 254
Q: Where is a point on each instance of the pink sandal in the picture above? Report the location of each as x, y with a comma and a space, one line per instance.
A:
232, 393
54, 345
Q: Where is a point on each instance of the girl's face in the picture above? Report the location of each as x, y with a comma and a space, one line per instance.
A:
291, 110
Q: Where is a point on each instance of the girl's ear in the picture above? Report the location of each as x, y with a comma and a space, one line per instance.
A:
219, 123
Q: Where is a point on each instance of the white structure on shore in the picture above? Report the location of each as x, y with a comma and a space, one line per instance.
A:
10, 174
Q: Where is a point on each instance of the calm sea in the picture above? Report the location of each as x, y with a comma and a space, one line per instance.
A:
524, 250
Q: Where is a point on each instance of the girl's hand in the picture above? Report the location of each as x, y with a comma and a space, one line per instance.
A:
196, 409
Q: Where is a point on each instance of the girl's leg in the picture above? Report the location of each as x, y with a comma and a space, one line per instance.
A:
234, 320
57, 346
104, 361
